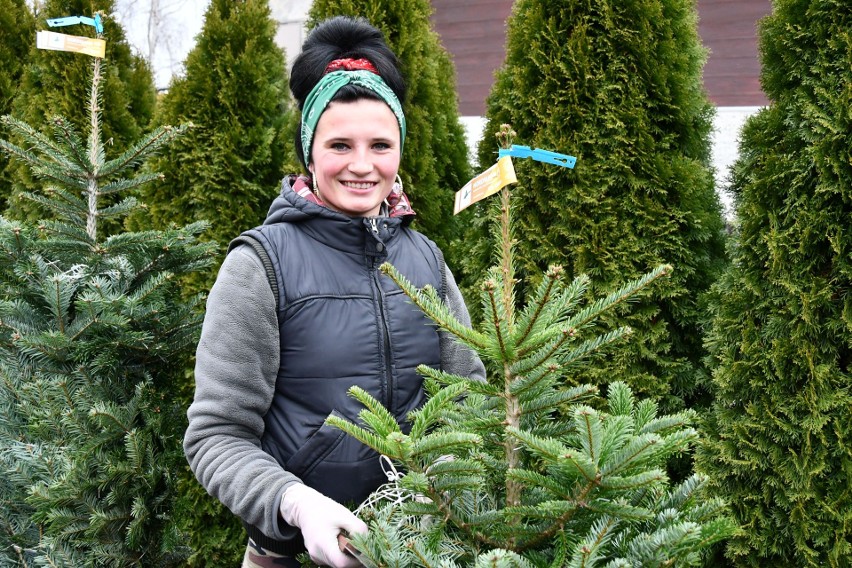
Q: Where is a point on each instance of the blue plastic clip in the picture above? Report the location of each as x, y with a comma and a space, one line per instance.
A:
71, 20
539, 155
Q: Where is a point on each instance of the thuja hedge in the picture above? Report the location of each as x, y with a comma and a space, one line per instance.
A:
781, 339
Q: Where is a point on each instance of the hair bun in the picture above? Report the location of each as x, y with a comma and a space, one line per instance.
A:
343, 37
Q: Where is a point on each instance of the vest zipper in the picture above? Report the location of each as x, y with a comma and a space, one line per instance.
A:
389, 382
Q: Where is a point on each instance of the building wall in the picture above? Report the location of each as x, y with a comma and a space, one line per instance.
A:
291, 16
474, 32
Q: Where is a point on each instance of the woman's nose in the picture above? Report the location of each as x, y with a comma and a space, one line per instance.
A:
361, 163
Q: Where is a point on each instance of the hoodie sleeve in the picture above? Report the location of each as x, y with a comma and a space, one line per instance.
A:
235, 372
457, 358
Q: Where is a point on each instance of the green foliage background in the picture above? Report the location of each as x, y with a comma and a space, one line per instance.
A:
781, 338
619, 85
57, 83
227, 169
17, 33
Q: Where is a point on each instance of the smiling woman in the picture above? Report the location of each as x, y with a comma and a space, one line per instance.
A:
300, 313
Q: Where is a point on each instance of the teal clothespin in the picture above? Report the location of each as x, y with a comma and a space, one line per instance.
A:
71, 20
539, 155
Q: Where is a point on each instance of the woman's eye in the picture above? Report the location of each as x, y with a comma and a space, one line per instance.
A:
339, 146
381, 146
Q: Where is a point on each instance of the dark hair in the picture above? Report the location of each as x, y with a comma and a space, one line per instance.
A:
337, 38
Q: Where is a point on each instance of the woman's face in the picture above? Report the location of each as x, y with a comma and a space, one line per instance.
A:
355, 156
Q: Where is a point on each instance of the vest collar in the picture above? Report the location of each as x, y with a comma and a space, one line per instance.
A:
355, 235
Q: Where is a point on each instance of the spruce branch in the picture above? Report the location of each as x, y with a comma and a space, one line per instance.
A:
431, 413
543, 308
375, 415
552, 401
61, 202
46, 147
497, 319
73, 145
428, 301
624, 294
144, 149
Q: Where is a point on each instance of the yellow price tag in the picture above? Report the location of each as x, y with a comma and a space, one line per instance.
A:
78, 44
487, 183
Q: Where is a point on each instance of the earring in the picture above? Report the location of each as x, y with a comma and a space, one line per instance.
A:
314, 183
396, 190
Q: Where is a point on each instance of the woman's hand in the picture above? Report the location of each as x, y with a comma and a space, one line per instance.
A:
321, 520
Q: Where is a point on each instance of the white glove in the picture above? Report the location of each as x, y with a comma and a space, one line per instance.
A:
321, 519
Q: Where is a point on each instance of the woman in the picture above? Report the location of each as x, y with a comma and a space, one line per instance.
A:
303, 313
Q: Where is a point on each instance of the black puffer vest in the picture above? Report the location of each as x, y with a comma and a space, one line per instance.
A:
342, 323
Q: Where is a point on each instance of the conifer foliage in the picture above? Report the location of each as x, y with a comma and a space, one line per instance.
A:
435, 161
525, 469
56, 83
779, 441
17, 27
94, 333
619, 85
228, 167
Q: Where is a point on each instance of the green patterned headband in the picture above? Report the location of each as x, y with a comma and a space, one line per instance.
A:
327, 87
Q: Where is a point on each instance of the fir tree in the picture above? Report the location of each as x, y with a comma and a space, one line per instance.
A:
228, 168
494, 477
435, 164
55, 83
94, 333
17, 31
779, 441
619, 85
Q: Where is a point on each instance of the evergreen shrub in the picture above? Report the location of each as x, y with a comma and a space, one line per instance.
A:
227, 169
779, 438
619, 85
435, 161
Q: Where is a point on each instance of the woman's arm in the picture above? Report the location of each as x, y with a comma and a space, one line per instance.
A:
457, 358
235, 373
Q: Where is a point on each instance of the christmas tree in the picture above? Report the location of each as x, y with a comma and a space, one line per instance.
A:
528, 469
94, 333
55, 82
